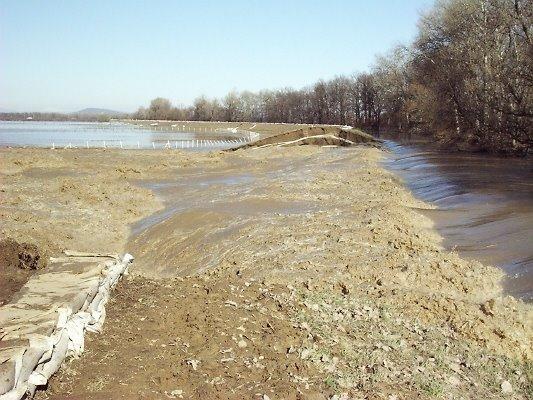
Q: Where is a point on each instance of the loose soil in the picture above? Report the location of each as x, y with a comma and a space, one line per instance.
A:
18, 261
301, 272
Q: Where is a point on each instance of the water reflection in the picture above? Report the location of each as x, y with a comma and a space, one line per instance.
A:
98, 134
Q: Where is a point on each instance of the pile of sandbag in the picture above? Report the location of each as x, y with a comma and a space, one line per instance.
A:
46, 321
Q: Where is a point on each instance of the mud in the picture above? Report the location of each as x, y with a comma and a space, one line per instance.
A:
315, 136
301, 272
18, 261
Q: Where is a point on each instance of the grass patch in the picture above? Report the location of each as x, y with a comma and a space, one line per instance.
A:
331, 383
432, 388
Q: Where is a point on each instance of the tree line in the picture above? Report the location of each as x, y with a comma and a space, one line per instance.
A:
52, 116
466, 80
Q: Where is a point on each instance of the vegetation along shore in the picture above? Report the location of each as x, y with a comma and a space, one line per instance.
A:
465, 82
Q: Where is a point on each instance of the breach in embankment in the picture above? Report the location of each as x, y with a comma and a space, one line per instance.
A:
316, 135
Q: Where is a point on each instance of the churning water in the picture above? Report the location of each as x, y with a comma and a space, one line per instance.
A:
485, 205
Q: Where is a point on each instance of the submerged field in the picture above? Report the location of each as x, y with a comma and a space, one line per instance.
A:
300, 272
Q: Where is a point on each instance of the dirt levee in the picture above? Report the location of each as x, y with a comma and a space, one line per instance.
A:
316, 135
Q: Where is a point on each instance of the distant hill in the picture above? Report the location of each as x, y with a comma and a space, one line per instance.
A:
98, 111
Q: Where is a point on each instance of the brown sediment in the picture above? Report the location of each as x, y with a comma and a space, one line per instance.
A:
18, 261
79, 200
293, 273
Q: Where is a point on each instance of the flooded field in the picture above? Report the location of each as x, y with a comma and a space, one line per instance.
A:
207, 210
149, 135
485, 205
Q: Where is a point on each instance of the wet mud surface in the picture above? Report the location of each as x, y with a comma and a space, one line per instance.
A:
297, 273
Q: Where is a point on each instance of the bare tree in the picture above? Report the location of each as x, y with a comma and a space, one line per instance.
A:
467, 79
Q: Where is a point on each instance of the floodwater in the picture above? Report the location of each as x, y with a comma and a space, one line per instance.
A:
206, 209
485, 205
56, 134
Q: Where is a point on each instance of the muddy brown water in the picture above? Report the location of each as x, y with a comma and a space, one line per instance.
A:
205, 211
485, 205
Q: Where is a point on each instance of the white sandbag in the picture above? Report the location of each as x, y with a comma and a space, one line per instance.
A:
7, 376
15, 394
29, 361
29, 366
75, 328
44, 371
90, 297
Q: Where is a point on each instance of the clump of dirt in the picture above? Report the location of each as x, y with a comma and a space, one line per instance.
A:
18, 261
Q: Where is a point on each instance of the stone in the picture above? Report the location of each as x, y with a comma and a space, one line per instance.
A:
455, 367
506, 387
193, 364
454, 380
177, 393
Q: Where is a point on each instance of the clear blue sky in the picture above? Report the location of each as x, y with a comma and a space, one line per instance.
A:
68, 55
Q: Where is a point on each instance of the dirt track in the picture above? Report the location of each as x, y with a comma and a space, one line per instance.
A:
292, 273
